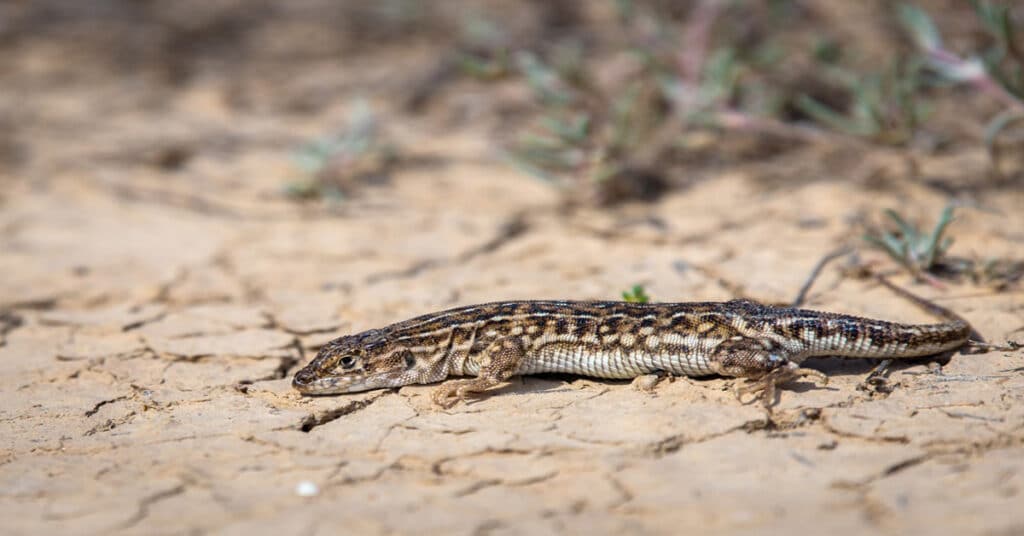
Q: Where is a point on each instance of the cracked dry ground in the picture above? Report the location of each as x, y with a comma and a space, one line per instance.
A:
147, 345
150, 325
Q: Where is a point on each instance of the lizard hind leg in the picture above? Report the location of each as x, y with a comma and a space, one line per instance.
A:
497, 363
762, 364
764, 387
648, 383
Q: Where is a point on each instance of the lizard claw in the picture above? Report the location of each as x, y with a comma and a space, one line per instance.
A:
764, 387
647, 383
447, 397
453, 392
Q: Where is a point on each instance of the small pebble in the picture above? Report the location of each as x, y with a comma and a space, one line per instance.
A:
306, 489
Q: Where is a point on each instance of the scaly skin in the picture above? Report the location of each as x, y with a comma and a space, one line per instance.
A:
495, 341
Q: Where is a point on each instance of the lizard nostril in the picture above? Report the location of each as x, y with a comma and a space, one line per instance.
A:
303, 377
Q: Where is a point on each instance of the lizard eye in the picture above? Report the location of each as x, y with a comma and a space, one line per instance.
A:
410, 360
347, 361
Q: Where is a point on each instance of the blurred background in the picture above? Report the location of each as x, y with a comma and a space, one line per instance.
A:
608, 101
258, 109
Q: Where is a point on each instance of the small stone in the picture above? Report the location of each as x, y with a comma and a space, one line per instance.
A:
307, 489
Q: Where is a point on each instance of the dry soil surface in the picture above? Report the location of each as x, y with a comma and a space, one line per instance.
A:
153, 313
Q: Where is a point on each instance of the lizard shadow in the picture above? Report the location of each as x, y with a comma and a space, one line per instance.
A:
545, 383
554, 382
845, 366
861, 368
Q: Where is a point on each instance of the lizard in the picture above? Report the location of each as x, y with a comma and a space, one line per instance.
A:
763, 344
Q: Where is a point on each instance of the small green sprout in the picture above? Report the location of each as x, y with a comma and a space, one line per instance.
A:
919, 252
334, 165
636, 295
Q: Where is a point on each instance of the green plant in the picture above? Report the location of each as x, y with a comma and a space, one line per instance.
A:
611, 122
916, 250
884, 107
584, 136
997, 70
332, 166
636, 295
925, 254
483, 52
590, 136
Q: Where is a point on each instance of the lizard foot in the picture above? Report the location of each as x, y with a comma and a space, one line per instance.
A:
877, 381
764, 387
500, 361
451, 393
649, 382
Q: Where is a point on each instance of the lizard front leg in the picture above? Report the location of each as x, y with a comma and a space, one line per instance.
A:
497, 363
761, 363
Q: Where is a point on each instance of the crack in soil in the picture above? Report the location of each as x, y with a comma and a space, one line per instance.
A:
625, 494
170, 199
513, 228
903, 440
664, 447
110, 424
313, 420
144, 505
100, 404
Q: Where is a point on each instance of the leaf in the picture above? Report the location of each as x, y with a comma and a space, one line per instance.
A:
543, 80
636, 295
909, 232
829, 117
920, 26
886, 244
935, 246
998, 124
525, 166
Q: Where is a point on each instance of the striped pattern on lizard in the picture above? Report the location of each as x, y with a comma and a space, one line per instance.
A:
492, 342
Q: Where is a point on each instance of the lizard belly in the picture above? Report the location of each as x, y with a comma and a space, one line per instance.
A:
617, 363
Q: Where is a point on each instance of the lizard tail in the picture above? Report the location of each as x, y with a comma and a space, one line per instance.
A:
851, 336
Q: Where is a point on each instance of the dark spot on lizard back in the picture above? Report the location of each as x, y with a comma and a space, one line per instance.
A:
877, 336
682, 322
713, 318
850, 330
613, 323
512, 308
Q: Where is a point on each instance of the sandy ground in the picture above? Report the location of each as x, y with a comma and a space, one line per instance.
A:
152, 315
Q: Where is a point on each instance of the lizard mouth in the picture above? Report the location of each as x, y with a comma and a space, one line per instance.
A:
308, 382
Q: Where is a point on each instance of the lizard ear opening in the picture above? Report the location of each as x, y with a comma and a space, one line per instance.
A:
410, 359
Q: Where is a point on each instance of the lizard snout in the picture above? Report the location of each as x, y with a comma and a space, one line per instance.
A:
303, 378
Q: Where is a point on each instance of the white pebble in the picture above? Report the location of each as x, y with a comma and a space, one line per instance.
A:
306, 489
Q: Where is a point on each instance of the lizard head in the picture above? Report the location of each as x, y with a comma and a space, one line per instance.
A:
359, 362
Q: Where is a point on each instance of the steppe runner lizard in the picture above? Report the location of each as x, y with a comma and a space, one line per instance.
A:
739, 338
